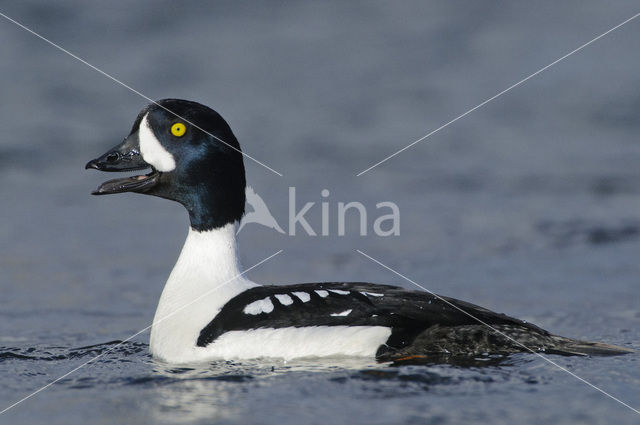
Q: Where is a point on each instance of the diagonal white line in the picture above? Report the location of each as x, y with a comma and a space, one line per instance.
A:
136, 334
499, 332
498, 95
109, 76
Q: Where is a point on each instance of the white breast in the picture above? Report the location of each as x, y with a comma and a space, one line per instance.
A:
205, 278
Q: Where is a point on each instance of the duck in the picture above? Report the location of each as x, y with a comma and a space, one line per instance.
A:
210, 310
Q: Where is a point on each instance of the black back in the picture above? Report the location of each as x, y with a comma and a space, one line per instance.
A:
406, 312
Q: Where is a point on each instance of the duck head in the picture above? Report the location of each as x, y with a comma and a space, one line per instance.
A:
193, 157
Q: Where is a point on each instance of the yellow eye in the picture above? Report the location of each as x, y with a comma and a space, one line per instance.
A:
178, 129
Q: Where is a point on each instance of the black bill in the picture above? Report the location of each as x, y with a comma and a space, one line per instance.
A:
124, 157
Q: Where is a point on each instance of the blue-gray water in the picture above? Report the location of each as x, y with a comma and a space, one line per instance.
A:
528, 206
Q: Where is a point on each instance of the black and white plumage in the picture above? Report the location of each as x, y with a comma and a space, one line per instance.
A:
406, 313
208, 309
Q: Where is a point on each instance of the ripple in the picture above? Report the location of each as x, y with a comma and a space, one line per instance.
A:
57, 353
582, 232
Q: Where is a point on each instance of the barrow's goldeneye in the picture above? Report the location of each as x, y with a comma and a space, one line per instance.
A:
195, 159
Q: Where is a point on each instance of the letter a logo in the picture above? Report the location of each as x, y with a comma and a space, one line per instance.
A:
260, 214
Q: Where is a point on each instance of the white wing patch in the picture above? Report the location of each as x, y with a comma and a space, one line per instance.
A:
304, 297
322, 293
261, 306
344, 313
373, 294
152, 150
284, 299
339, 291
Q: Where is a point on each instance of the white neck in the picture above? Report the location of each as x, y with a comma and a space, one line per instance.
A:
206, 276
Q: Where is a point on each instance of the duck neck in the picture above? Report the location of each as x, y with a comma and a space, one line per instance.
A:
215, 202
212, 252
206, 276
208, 263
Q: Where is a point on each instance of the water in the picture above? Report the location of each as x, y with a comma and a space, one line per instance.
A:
528, 206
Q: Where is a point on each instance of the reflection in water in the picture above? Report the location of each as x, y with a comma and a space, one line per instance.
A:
211, 390
215, 391
190, 399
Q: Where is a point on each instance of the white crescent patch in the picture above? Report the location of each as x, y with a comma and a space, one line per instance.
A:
152, 150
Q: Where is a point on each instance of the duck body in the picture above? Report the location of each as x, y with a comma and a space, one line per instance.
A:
210, 310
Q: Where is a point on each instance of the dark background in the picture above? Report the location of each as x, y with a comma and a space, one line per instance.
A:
528, 205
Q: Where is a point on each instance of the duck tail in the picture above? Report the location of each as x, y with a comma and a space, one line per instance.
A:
575, 347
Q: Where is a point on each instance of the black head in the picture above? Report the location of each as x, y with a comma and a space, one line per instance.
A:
194, 159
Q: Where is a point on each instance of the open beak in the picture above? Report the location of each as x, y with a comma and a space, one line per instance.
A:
124, 157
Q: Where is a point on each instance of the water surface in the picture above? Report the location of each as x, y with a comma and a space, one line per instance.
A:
528, 206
